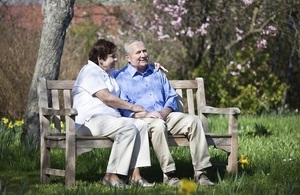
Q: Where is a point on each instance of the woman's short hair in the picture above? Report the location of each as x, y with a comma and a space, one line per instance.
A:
101, 49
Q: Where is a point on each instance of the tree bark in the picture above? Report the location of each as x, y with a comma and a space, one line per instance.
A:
57, 15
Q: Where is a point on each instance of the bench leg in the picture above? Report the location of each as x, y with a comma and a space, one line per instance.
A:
70, 171
232, 166
45, 163
70, 152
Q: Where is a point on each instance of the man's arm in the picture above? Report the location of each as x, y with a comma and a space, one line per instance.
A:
165, 112
170, 96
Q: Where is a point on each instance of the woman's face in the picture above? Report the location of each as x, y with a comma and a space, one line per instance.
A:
108, 64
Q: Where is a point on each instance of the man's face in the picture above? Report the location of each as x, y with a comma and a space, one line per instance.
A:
137, 54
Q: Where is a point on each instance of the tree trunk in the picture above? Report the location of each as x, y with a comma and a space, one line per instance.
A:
57, 15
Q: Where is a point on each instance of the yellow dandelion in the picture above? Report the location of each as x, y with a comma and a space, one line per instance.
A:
10, 125
62, 125
19, 123
187, 186
244, 161
5, 120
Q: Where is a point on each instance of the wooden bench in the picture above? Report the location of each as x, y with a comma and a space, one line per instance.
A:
55, 106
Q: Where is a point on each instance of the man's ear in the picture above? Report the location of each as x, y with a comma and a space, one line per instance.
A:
127, 57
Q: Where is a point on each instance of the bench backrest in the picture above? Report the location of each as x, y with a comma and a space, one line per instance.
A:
57, 94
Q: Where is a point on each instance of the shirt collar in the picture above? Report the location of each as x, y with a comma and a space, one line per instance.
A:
132, 71
94, 64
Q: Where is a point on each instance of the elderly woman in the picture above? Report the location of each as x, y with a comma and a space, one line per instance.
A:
96, 98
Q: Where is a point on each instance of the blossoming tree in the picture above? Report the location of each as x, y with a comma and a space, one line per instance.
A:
238, 41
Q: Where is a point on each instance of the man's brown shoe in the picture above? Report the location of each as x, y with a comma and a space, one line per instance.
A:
203, 180
142, 182
171, 181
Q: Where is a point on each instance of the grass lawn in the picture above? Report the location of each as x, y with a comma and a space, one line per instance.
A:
270, 146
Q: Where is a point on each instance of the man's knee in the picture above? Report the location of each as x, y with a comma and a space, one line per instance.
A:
159, 127
193, 120
157, 124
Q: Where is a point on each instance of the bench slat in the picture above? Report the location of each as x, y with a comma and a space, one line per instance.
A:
67, 99
57, 172
184, 84
190, 101
60, 84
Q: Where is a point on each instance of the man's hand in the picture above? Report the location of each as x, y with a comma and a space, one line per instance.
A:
165, 112
153, 115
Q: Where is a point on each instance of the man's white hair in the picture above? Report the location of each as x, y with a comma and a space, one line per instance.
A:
129, 43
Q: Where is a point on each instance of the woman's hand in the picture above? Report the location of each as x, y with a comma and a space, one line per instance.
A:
158, 66
137, 108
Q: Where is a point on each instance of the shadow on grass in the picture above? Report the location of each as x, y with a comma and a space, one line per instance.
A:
95, 172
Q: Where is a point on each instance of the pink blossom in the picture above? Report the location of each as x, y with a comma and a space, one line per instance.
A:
157, 5
248, 2
202, 30
160, 31
248, 64
177, 24
238, 36
238, 33
169, 9
121, 32
261, 43
189, 32
271, 30
234, 73
181, 2
239, 30
163, 37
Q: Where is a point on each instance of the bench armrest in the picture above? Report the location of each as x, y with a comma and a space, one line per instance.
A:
61, 112
213, 110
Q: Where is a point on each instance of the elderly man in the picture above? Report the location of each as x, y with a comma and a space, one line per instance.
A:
143, 85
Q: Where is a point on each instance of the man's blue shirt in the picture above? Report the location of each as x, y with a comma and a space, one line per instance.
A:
150, 89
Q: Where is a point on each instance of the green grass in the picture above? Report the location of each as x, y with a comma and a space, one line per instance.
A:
270, 142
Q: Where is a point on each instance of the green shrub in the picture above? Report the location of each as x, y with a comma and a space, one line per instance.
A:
245, 82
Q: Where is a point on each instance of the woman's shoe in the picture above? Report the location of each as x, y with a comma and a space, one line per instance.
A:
117, 183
